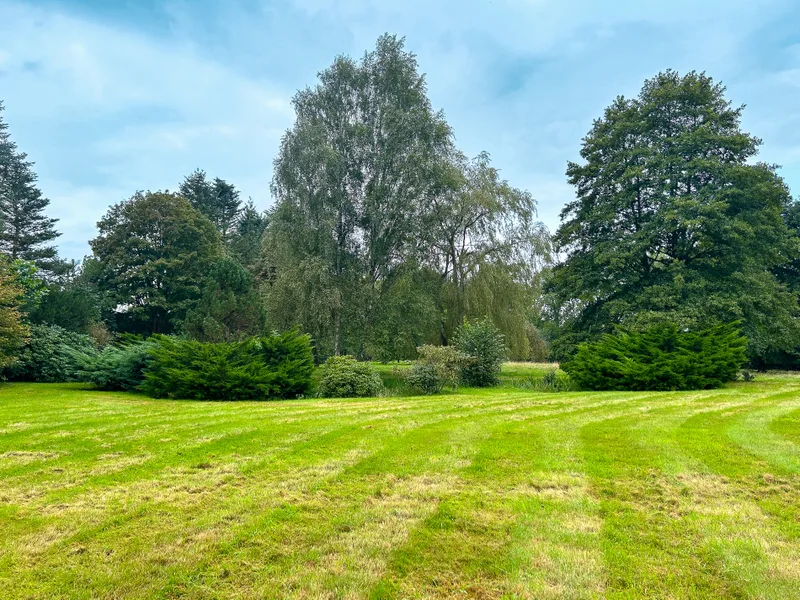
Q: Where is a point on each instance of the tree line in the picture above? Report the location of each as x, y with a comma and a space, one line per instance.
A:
385, 237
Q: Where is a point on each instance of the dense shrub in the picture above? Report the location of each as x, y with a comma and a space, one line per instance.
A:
118, 368
345, 377
485, 350
277, 366
436, 368
52, 355
661, 357
424, 379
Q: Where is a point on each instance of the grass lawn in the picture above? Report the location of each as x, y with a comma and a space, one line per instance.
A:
503, 493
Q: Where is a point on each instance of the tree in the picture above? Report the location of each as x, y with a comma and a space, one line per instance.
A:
13, 331
218, 200
230, 307
152, 257
245, 243
70, 301
789, 272
26, 229
673, 222
483, 239
351, 180
485, 349
28, 278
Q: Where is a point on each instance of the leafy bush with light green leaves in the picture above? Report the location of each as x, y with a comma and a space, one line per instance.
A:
270, 367
436, 368
51, 355
485, 350
345, 377
661, 357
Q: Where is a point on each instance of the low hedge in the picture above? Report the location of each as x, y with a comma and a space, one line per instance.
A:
51, 355
273, 367
662, 357
118, 368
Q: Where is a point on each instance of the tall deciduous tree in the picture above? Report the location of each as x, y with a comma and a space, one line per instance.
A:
152, 257
673, 221
484, 240
352, 178
25, 229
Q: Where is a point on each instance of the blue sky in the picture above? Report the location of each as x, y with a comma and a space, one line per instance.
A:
112, 96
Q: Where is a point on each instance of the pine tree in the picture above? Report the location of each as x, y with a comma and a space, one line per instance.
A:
26, 229
228, 206
245, 243
197, 189
218, 200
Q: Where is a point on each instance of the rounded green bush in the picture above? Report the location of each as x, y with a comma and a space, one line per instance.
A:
424, 379
485, 350
345, 377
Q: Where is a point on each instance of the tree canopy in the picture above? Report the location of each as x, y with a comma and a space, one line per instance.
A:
151, 257
673, 221
371, 194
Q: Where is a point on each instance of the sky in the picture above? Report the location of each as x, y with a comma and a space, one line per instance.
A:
113, 96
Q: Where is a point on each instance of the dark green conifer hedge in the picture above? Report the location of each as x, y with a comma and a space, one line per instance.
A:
662, 357
272, 367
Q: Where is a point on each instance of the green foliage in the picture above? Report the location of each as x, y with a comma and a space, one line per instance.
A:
245, 242
384, 237
271, 367
553, 381
13, 330
424, 379
230, 307
661, 357
70, 301
447, 363
25, 229
345, 377
73, 307
118, 368
29, 277
51, 355
482, 238
485, 350
218, 200
674, 220
539, 348
406, 315
151, 258
351, 179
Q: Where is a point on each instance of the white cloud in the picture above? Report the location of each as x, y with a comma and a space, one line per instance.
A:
106, 110
114, 106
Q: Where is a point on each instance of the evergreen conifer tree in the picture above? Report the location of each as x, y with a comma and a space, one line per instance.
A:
26, 229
